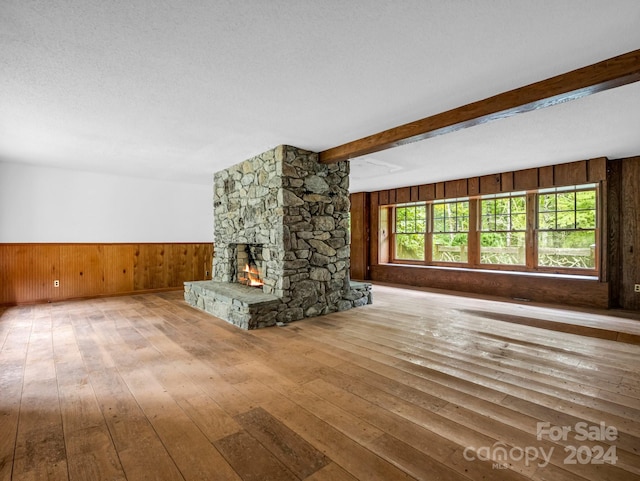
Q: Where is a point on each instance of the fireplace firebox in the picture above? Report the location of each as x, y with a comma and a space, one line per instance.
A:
249, 265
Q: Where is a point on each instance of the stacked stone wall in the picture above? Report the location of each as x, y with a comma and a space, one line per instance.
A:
298, 210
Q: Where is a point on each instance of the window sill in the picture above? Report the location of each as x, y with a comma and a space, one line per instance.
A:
497, 271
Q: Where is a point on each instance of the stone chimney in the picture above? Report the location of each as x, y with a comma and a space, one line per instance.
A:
296, 211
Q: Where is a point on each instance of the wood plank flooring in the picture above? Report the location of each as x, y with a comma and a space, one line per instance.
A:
420, 385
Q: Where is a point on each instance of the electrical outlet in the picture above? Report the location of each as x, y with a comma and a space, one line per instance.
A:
636, 288
56, 283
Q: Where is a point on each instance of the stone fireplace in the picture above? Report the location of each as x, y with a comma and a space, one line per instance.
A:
288, 215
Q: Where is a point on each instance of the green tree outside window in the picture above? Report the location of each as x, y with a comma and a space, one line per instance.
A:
567, 228
411, 226
450, 231
503, 224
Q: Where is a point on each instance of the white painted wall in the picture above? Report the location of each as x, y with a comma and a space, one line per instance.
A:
41, 204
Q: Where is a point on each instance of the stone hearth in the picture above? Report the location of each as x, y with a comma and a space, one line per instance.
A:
297, 210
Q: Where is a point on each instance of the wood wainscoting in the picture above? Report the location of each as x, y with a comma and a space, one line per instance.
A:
28, 271
565, 290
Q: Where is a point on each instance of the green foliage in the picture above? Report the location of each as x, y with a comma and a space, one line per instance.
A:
450, 247
451, 217
503, 222
504, 214
410, 246
567, 249
567, 210
502, 248
451, 227
411, 219
411, 225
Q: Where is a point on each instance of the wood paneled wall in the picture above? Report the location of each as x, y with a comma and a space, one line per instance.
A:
613, 259
28, 271
359, 236
620, 240
581, 172
624, 232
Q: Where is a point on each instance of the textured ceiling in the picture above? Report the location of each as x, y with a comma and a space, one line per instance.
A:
179, 90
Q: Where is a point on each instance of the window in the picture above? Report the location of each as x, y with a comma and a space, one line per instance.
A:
450, 231
503, 224
547, 230
567, 227
410, 228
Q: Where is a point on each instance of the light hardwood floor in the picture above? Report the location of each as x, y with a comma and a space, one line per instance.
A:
413, 387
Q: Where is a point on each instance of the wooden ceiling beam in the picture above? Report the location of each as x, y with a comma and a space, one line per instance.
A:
614, 72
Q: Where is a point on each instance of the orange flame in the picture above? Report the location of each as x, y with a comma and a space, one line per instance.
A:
253, 276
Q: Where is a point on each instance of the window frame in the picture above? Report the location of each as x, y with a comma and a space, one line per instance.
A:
393, 230
387, 241
596, 229
432, 230
524, 230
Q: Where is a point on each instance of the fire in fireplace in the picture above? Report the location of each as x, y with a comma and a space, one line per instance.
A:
250, 265
250, 276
